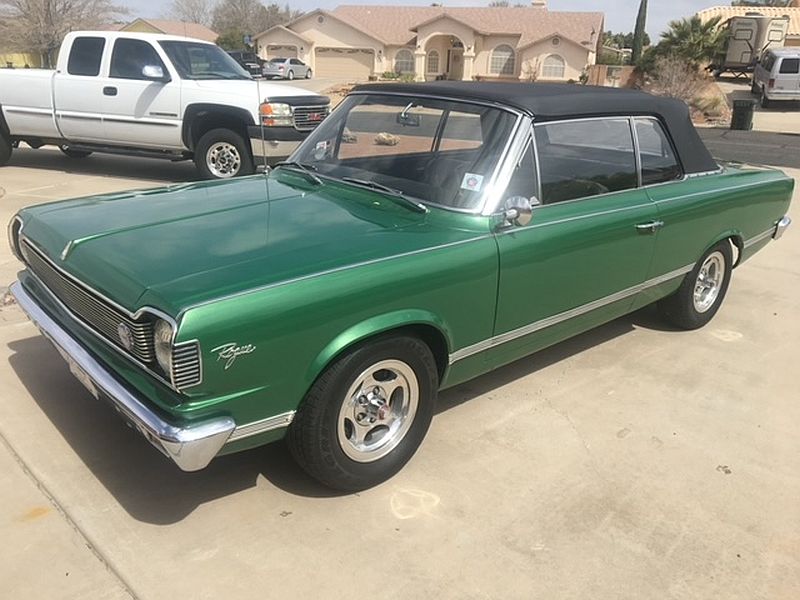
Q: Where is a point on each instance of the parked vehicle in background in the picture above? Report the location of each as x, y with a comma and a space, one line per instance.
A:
777, 76
329, 301
748, 38
248, 60
286, 68
157, 96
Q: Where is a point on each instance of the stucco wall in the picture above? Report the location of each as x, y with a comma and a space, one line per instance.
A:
489, 43
280, 37
335, 34
441, 44
448, 27
575, 57
19, 60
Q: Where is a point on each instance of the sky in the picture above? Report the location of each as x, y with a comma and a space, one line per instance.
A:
620, 14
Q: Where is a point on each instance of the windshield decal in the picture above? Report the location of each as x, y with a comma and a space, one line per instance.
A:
472, 182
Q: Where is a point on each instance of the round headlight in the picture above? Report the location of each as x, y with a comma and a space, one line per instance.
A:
162, 337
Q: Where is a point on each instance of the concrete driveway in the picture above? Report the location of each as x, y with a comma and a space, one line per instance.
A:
633, 461
781, 117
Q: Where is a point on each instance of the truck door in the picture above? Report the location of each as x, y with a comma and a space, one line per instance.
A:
141, 98
78, 91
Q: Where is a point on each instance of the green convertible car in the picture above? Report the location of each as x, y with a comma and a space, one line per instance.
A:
422, 235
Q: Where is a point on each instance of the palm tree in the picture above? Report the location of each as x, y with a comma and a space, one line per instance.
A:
697, 42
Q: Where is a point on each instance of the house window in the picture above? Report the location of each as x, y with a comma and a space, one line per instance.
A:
553, 67
433, 61
502, 61
404, 62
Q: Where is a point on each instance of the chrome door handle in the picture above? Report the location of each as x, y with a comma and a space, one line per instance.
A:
650, 227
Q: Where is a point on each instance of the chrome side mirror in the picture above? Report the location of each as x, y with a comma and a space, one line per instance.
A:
153, 73
518, 210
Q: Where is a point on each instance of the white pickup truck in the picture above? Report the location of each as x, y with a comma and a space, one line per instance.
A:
156, 96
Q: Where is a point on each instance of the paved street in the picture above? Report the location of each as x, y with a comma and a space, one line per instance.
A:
634, 461
781, 117
755, 147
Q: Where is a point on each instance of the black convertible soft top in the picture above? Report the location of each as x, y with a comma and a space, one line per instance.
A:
555, 101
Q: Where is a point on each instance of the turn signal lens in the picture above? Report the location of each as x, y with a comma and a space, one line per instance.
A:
276, 114
162, 338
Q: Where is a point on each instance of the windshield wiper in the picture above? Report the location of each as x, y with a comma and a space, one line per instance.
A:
393, 193
305, 168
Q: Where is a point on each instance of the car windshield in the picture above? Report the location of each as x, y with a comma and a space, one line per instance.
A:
439, 152
194, 60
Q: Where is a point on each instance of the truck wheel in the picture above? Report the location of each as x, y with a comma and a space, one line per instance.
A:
754, 89
367, 414
5, 149
222, 154
765, 102
73, 153
290, 75
702, 291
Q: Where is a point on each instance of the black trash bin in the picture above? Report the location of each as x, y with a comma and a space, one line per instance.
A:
743, 114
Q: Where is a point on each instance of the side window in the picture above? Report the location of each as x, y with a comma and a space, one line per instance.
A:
659, 163
523, 180
85, 56
585, 158
790, 66
130, 57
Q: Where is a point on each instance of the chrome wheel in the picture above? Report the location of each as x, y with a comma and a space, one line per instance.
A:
223, 160
709, 282
378, 410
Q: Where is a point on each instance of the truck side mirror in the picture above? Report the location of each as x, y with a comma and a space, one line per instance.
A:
155, 73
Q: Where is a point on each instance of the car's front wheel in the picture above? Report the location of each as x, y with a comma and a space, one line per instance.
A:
367, 414
222, 154
5, 149
702, 291
308, 74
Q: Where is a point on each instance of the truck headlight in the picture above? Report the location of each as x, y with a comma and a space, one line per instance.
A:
162, 338
276, 114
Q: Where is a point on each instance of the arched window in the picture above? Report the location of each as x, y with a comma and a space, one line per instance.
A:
404, 61
553, 67
502, 61
433, 61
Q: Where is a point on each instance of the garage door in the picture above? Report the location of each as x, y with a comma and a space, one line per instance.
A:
344, 62
275, 51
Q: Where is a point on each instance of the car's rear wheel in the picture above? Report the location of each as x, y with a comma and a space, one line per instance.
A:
73, 153
702, 291
5, 149
222, 154
367, 414
290, 75
308, 74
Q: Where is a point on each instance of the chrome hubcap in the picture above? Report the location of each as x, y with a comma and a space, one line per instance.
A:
223, 160
709, 282
378, 410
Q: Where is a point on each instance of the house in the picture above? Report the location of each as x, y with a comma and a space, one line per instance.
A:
792, 11
179, 28
434, 42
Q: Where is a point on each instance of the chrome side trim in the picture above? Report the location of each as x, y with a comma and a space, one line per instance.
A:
256, 427
191, 447
760, 237
564, 316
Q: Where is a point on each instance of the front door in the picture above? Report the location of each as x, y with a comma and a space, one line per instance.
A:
138, 111
455, 64
587, 250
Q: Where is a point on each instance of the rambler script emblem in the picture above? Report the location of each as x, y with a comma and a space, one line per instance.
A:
230, 352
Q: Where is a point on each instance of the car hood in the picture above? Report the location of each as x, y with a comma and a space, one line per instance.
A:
174, 247
258, 90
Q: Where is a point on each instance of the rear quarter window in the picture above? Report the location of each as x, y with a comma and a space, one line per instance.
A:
85, 56
790, 66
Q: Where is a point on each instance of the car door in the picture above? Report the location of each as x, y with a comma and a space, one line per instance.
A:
587, 250
140, 109
78, 92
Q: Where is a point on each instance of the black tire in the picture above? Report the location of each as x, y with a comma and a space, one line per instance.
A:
5, 149
318, 437
754, 89
290, 75
74, 153
765, 102
681, 308
237, 161
308, 74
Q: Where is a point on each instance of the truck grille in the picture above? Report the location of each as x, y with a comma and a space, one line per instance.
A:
307, 118
98, 314
186, 367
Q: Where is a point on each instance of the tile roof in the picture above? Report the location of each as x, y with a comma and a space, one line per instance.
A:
726, 12
181, 28
395, 25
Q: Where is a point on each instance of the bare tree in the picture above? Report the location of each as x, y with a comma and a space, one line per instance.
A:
250, 16
676, 77
40, 25
192, 11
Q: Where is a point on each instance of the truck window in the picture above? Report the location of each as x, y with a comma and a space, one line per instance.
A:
130, 57
85, 56
790, 66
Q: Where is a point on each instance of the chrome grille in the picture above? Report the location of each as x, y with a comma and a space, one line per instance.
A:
92, 310
307, 118
186, 367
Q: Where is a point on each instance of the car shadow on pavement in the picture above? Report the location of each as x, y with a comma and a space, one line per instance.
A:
106, 165
153, 490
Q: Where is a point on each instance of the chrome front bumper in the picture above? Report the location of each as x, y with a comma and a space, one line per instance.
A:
191, 448
781, 227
